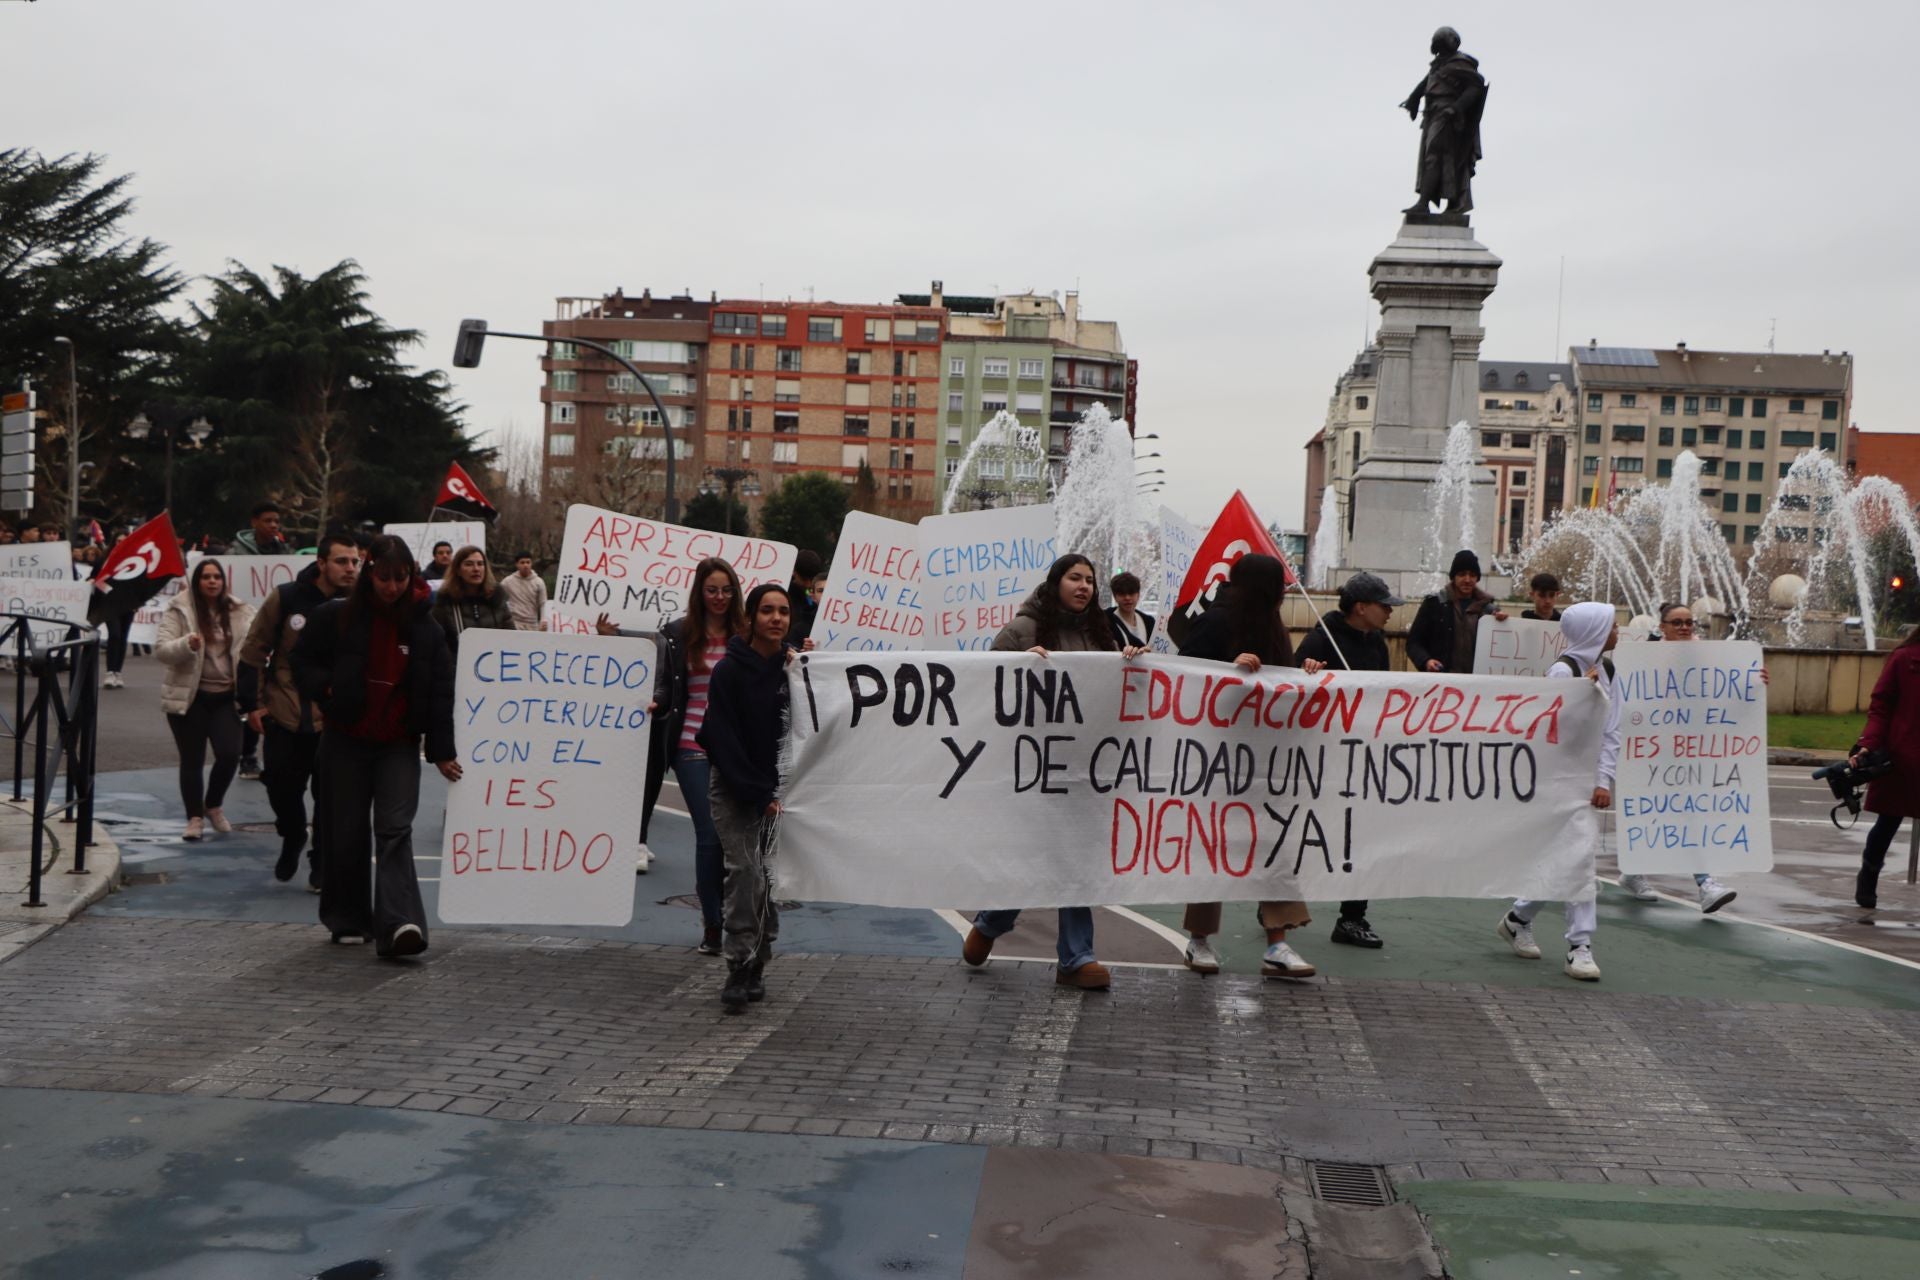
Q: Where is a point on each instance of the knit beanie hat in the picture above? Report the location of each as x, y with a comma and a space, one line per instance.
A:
1464, 562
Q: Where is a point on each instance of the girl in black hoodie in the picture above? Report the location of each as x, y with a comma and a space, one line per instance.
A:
742, 734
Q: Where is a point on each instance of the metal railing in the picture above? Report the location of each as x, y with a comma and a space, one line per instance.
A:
62, 704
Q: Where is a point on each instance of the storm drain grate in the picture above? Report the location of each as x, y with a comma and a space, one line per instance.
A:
1363, 1186
143, 877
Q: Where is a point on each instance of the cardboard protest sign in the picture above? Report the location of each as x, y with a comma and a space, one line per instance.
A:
1009, 780
1179, 543
544, 828
873, 594
1691, 783
254, 578
976, 567
145, 628
47, 598
1517, 647
48, 560
639, 571
422, 536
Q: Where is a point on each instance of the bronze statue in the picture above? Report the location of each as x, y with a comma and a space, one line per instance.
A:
1450, 136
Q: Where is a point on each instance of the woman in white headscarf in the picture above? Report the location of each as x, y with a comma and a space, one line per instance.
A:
1590, 630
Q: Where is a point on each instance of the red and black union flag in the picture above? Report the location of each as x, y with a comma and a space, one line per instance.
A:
459, 494
133, 573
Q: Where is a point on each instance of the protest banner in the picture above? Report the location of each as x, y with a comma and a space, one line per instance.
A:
976, 567
1009, 780
1179, 542
872, 600
1691, 783
145, 628
47, 598
254, 578
544, 827
1516, 647
639, 571
421, 536
52, 561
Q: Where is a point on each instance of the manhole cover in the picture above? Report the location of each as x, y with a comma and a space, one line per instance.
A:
143, 877
691, 901
1363, 1186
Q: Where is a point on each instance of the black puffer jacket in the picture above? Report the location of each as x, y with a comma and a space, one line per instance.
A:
1361, 650
330, 667
746, 721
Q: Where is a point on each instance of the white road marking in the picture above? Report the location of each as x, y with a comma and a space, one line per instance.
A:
1724, 914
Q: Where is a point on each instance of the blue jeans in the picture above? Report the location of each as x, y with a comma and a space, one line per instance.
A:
1076, 932
695, 775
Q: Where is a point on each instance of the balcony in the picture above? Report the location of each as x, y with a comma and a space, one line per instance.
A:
1082, 386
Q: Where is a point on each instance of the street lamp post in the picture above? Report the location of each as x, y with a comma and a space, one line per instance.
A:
723, 479
73, 439
197, 431
466, 355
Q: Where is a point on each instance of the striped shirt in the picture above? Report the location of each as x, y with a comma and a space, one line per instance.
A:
697, 695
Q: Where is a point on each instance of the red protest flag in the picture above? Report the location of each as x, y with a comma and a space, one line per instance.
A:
459, 494
1237, 532
134, 571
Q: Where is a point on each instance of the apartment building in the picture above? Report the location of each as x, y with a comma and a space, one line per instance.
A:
1528, 418
1746, 416
603, 440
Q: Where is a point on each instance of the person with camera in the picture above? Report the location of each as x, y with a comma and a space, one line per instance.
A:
1892, 735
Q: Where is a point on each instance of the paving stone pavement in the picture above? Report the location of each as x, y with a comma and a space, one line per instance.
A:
1435, 1080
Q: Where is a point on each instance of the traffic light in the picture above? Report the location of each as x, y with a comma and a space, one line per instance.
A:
466, 347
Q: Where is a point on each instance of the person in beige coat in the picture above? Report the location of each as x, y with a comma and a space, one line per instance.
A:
199, 645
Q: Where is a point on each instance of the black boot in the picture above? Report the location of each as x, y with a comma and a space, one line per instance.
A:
1356, 932
291, 848
734, 994
1866, 887
756, 986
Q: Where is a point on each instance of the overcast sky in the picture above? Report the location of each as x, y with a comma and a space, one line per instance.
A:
1214, 177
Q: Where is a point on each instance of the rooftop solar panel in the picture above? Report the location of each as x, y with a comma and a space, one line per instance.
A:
1638, 357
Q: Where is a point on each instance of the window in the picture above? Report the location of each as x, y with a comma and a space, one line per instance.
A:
993, 368
1031, 368
1710, 435
957, 366
1522, 441
1595, 401
787, 360
1753, 503
564, 380
879, 331
1663, 469
1356, 448
1827, 440
953, 435
1359, 402
1629, 431
1784, 468
856, 424
1593, 433
1629, 466
1796, 439
822, 329
1756, 471
1629, 400
1749, 533
746, 418
1489, 404
859, 362
900, 362
652, 352
1759, 407
1520, 478
910, 422
786, 390
1713, 404
564, 351
1711, 467
993, 402
956, 402
1027, 402
953, 467
1691, 405
860, 393
560, 444
1830, 411
731, 322
613, 413
1733, 438
1523, 404
1729, 502
1666, 436
1667, 404
1756, 439
786, 421
562, 413
750, 351
786, 451
1689, 436
1489, 439
993, 468
773, 326
733, 355
1736, 406
1796, 406
1590, 466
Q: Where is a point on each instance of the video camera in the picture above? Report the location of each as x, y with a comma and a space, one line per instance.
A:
1846, 780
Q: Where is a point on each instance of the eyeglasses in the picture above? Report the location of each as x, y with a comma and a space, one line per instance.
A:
1683, 623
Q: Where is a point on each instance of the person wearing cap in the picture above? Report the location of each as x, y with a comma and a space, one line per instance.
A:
1443, 632
1353, 638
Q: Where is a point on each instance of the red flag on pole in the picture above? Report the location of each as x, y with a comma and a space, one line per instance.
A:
458, 493
134, 571
1237, 532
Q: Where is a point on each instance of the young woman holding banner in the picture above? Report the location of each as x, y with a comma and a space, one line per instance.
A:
742, 731
1244, 628
1063, 614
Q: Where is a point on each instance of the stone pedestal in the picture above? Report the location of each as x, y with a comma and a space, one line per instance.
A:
1430, 283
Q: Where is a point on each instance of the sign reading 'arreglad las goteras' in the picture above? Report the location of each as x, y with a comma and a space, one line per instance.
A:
544, 826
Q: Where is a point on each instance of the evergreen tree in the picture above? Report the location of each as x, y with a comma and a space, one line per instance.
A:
710, 511
807, 511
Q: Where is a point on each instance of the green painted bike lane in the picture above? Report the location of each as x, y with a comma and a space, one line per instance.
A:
1664, 948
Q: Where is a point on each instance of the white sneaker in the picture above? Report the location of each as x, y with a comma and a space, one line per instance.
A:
1714, 895
112, 681
1282, 961
1639, 887
641, 867
1201, 957
1580, 964
1519, 935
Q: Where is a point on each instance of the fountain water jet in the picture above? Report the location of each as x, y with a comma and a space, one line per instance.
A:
1324, 552
1005, 459
1098, 511
1454, 524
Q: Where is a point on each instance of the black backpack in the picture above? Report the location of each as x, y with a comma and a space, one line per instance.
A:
1573, 666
